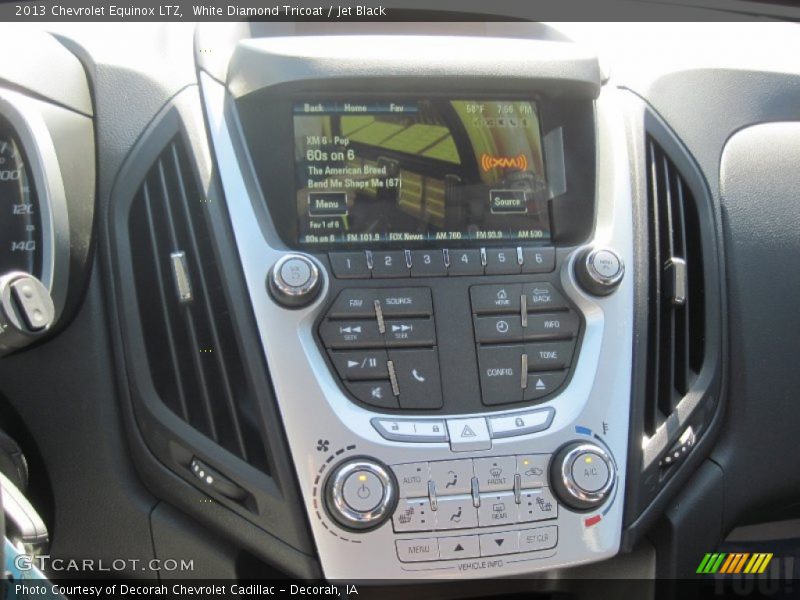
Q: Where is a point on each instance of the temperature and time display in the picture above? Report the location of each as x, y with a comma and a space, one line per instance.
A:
20, 224
405, 172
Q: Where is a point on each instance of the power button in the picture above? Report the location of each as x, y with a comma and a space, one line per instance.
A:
363, 491
360, 493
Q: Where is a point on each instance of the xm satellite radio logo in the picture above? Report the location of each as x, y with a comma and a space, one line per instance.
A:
489, 162
734, 563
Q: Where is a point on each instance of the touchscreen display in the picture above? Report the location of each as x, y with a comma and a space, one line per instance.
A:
419, 171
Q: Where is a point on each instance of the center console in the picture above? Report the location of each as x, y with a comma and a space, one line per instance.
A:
441, 277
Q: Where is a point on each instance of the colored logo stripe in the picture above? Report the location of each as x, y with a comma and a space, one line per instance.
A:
735, 562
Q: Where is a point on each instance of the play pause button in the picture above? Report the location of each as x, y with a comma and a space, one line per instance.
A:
463, 546
505, 542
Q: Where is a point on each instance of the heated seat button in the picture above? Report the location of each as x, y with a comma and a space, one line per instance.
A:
374, 393
405, 302
500, 373
551, 326
502, 329
417, 375
487, 299
542, 384
410, 332
351, 334
360, 365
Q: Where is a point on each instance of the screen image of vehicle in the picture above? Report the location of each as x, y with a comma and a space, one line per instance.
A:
418, 171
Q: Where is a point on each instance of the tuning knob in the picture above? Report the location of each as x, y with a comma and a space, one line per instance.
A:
26, 310
294, 281
582, 475
599, 271
360, 494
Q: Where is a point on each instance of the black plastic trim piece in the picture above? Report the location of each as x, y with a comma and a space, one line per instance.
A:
649, 487
273, 526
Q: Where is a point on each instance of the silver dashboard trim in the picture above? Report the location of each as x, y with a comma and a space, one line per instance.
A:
24, 115
312, 405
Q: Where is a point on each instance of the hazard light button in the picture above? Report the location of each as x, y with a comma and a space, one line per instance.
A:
468, 434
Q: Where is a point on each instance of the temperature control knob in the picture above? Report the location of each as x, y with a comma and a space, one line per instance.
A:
582, 475
294, 281
360, 494
599, 271
26, 310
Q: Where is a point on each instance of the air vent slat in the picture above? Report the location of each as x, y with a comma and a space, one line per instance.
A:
163, 304
192, 348
217, 356
674, 283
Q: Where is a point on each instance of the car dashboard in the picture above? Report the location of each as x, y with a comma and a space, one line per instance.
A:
397, 303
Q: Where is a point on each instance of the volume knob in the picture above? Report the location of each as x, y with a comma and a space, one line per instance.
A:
582, 475
599, 271
360, 494
294, 281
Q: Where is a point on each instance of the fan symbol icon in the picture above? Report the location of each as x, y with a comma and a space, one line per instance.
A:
323, 445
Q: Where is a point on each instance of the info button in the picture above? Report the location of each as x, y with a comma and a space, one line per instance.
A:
507, 202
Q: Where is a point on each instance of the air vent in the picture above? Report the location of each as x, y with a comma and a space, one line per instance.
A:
192, 351
676, 291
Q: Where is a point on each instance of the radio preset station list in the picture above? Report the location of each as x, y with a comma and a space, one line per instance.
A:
417, 171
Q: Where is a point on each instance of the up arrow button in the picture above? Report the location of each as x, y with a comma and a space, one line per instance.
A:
468, 434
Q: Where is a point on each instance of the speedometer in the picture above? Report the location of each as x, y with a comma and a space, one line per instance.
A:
20, 222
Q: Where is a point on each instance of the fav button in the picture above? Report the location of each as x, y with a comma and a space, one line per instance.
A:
353, 304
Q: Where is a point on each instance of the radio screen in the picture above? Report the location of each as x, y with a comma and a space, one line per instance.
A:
418, 171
